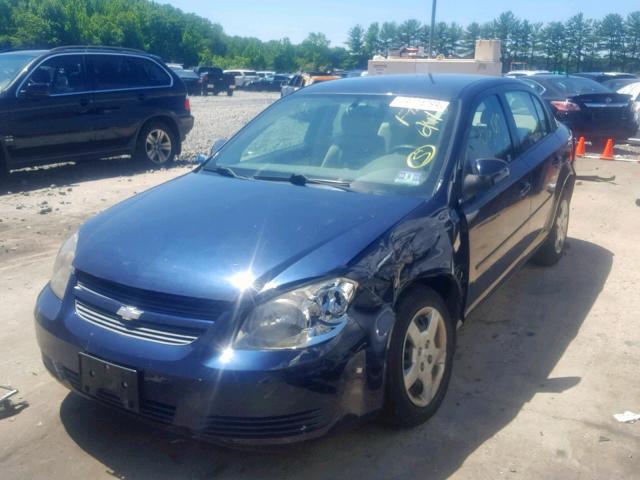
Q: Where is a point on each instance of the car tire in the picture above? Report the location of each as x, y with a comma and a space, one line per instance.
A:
157, 145
230, 92
421, 350
550, 252
216, 93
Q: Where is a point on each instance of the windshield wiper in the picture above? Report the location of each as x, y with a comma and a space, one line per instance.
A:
225, 172
302, 180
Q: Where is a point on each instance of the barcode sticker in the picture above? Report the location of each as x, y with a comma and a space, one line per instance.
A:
417, 103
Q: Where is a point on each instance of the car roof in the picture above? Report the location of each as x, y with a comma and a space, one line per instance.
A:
441, 86
82, 49
34, 53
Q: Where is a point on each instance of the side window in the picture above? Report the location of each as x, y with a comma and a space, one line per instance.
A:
528, 126
488, 134
117, 72
63, 74
542, 116
106, 71
145, 73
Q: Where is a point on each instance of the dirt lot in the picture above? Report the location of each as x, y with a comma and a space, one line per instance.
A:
541, 367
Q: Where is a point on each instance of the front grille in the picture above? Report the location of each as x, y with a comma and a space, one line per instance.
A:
165, 303
265, 427
159, 412
151, 332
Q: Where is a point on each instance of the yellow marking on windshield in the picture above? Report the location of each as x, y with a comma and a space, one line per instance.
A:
421, 156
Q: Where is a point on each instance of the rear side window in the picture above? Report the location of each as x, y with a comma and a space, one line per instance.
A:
530, 129
489, 134
544, 119
117, 72
63, 74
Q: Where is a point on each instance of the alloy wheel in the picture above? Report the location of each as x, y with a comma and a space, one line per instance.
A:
158, 146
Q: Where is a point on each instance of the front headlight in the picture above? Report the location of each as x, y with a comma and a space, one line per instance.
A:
299, 318
64, 266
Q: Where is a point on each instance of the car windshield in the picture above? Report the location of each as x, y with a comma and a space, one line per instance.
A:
11, 64
576, 86
372, 143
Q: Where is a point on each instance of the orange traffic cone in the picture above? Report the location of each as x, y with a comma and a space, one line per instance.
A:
580, 149
607, 153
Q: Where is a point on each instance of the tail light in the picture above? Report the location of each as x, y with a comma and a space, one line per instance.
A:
187, 104
565, 106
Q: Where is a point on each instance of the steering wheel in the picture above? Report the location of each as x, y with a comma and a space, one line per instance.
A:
403, 148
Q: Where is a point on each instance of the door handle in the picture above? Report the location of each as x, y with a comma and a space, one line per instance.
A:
525, 188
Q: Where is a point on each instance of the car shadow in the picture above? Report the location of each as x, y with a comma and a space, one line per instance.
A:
69, 174
506, 352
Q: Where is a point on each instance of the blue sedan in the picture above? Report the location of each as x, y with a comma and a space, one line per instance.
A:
315, 268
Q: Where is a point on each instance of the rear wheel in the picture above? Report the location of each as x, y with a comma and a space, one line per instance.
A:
157, 145
553, 247
420, 358
230, 92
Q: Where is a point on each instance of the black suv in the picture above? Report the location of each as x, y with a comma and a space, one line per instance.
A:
71, 103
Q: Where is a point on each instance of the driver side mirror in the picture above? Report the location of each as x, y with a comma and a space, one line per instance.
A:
35, 90
486, 173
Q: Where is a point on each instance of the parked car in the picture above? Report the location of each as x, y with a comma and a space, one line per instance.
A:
243, 77
268, 84
72, 103
191, 79
588, 108
215, 81
265, 73
633, 89
303, 80
316, 267
602, 77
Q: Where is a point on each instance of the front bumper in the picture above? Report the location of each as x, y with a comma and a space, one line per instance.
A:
238, 397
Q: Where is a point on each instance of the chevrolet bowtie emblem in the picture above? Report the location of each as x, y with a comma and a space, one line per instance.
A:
129, 313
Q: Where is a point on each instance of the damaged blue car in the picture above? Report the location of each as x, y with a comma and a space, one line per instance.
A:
315, 268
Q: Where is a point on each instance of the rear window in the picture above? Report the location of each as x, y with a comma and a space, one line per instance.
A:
576, 86
116, 72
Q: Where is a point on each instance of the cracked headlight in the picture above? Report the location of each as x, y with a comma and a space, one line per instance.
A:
299, 318
64, 266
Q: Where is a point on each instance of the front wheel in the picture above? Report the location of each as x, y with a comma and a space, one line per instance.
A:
157, 145
553, 247
420, 358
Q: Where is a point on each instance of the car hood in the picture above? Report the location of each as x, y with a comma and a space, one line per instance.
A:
203, 235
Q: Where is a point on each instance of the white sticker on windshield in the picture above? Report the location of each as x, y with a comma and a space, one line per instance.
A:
416, 103
405, 177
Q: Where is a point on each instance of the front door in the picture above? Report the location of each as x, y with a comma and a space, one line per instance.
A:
57, 122
497, 216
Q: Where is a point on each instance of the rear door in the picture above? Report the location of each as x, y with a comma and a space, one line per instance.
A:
128, 90
497, 217
56, 125
541, 152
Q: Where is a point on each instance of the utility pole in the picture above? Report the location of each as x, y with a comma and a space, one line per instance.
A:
433, 27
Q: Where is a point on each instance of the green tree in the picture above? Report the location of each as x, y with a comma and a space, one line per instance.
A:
372, 44
612, 37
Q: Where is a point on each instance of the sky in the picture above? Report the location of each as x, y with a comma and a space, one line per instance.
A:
268, 20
